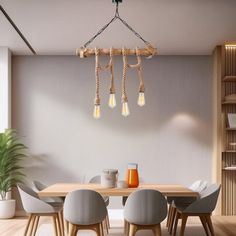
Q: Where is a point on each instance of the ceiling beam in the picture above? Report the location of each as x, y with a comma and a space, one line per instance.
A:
17, 30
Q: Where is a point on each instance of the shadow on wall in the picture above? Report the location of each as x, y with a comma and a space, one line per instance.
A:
42, 165
174, 86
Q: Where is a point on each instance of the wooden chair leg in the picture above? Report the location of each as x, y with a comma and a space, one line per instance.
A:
59, 226
55, 225
157, 230
108, 221
101, 229
204, 224
210, 225
66, 223
105, 226
170, 213
32, 224
28, 224
168, 216
36, 225
132, 229
183, 224
62, 223
126, 228
98, 229
176, 222
71, 229
174, 211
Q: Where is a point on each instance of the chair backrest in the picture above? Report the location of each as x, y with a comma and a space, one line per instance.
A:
195, 185
39, 186
207, 201
198, 185
84, 207
145, 207
31, 201
96, 179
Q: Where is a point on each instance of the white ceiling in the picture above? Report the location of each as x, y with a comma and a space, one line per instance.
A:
175, 27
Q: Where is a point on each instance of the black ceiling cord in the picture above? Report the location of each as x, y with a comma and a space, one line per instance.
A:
17, 30
117, 16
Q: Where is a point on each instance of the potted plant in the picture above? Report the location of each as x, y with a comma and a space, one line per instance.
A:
12, 152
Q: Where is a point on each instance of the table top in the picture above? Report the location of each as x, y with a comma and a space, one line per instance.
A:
62, 189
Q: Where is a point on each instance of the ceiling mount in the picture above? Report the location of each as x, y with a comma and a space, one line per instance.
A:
152, 50
117, 1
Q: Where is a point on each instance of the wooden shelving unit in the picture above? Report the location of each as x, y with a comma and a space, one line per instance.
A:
225, 85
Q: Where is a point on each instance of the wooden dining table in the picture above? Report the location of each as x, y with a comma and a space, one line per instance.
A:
168, 190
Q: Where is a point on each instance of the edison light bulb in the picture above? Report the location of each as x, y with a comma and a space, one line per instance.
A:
125, 109
141, 99
112, 100
96, 112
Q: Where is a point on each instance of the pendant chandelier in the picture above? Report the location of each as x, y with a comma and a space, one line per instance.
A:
149, 51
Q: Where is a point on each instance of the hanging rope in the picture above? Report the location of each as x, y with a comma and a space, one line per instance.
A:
140, 71
139, 68
125, 67
97, 68
111, 65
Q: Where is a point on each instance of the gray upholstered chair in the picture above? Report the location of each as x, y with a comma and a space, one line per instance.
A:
97, 180
84, 209
197, 186
145, 209
39, 186
36, 208
203, 207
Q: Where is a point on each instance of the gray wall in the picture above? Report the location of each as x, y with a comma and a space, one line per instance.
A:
170, 138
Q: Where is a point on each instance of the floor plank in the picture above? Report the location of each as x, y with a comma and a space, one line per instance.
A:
224, 226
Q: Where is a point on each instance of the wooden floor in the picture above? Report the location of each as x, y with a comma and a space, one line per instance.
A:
224, 226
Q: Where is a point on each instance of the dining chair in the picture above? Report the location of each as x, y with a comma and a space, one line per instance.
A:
196, 186
36, 208
145, 209
84, 209
54, 201
97, 180
39, 186
203, 208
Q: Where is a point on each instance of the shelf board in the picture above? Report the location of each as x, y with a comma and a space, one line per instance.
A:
234, 169
230, 151
228, 102
230, 129
229, 78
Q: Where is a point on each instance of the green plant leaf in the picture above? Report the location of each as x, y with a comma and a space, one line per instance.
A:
12, 152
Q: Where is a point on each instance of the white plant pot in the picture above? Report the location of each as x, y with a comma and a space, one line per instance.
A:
7, 208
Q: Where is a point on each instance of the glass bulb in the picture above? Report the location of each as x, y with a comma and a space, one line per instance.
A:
97, 112
112, 100
141, 99
125, 109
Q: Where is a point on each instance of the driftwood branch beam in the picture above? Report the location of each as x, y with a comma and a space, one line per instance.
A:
85, 52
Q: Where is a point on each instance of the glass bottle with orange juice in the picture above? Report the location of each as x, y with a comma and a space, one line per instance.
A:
132, 175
